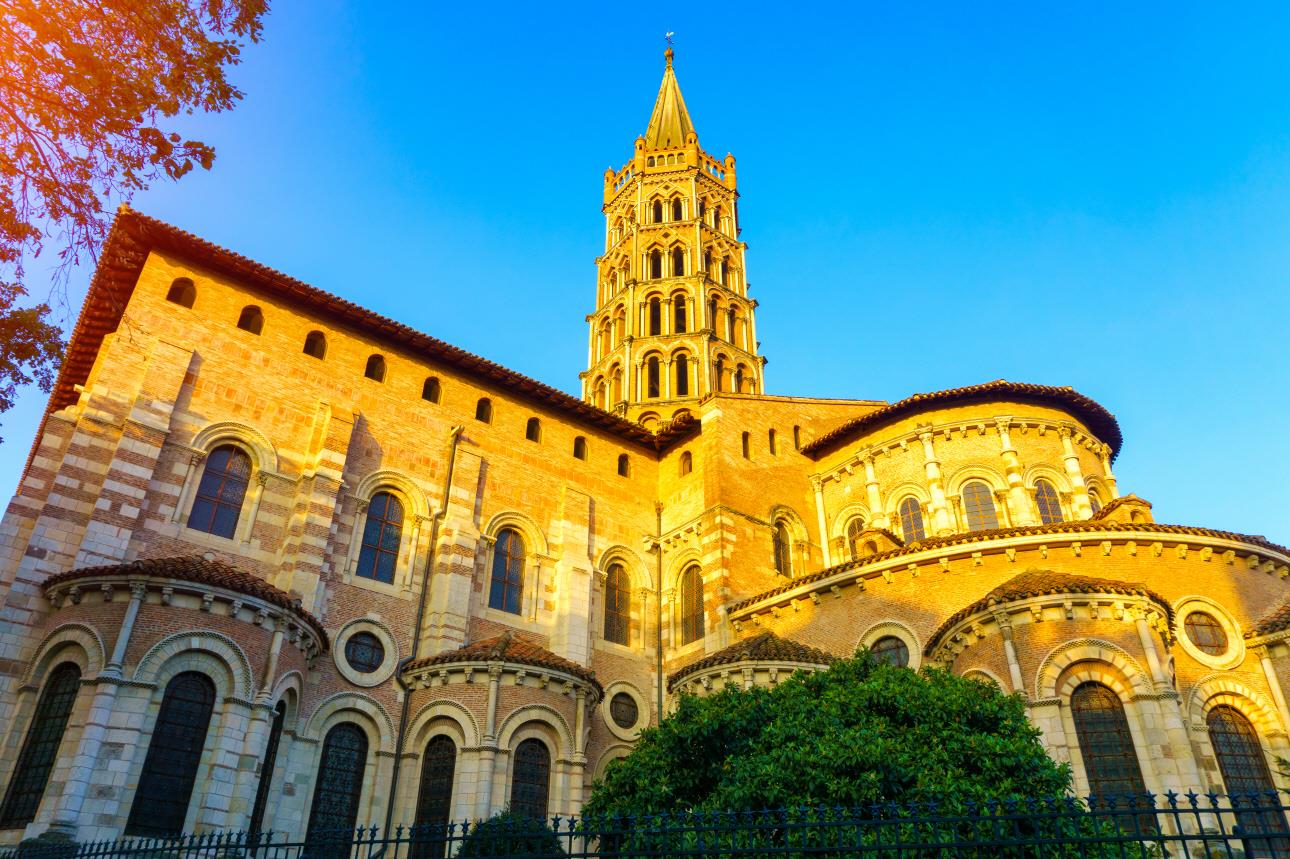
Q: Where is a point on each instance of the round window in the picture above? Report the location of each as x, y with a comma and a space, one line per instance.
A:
891, 650
623, 710
1204, 631
364, 652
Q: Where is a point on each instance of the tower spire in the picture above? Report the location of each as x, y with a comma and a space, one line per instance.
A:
670, 123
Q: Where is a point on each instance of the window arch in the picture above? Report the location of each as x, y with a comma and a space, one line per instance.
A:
174, 753
484, 410
691, 604
375, 369
431, 391
618, 605
892, 650
218, 502
1094, 502
655, 310
653, 386
678, 262
782, 547
40, 747
655, 264
687, 463
251, 319
434, 795
718, 371
712, 315
739, 379
506, 590
656, 212
716, 217
911, 519
682, 369
579, 447
678, 314
533, 430
624, 465
316, 345
1240, 754
339, 783
1105, 743
978, 505
182, 292
854, 529
382, 536
1050, 509
678, 213
531, 779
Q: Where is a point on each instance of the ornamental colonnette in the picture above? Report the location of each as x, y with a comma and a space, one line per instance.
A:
279, 562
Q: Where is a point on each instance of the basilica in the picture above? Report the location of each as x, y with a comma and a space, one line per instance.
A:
278, 562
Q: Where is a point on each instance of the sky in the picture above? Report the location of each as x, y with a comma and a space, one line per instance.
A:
933, 194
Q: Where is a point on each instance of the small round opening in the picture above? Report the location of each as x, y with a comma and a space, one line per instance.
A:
1204, 631
364, 652
623, 710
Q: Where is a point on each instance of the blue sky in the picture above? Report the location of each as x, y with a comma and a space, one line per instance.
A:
934, 195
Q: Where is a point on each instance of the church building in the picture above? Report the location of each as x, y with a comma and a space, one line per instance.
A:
277, 562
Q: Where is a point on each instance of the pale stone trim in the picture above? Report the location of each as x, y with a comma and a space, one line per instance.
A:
238, 679
67, 636
900, 630
1235, 653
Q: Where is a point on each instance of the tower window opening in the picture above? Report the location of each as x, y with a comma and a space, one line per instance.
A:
251, 319
691, 604
703, 207
707, 263
655, 317
316, 345
624, 465
739, 379
678, 262
712, 315
506, 587
854, 529
782, 548
182, 292
687, 463
682, 364
770, 441
730, 325
678, 315
657, 213
725, 272
656, 264
375, 369
719, 370
484, 410
649, 162
746, 444
652, 387
797, 438
678, 213
579, 447
431, 390
533, 430
716, 217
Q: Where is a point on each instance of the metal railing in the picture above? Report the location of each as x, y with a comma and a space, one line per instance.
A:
1172, 825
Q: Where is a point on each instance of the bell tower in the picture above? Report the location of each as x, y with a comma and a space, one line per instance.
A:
673, 321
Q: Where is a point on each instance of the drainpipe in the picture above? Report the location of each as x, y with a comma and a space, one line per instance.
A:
454, 438
658, 601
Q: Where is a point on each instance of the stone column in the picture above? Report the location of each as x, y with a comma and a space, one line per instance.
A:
488, 747
1105, 455
1010, 652
876, 511
817, 485
942, 522
1079, 492
1186, 774
1020, 510
1263, 651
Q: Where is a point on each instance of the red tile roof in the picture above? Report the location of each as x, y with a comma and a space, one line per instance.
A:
507, 647
1274, 621
1098, 420
1118, 503
198, 569
1034, 583
134, 234
766, 647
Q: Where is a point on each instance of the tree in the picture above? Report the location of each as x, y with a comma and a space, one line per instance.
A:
510, 834
86, 89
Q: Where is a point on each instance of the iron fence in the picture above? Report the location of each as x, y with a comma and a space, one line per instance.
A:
1173, 825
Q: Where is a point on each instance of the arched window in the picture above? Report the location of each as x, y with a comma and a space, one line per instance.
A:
892, 650
338, 785
267, 765
745, 444
1050, 509
174, 753
220, 492
718, 372
678, 262
431, 391
678, 314
484, 410
703, 208
375, 369
618, 605
616, 388
624, 465
691, 604
655, 316
316, 345
686, 464
797, 438
579, 447
712, 316
652, 381
739, 379
978, 504
1245, 775
533, 430
854, 529
682, 365
531, 780
725, 272
1105, 744
716, 217
182, 292
911, 520
655, 264
657, 212
770, 442
251, 319
730, 324
382, 534
677, 212
434, 796
782, 546
40, 748
1094, 502
506, 590
707, 262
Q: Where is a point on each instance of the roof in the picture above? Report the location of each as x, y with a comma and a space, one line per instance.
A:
670, 123
1096, 526
133, 235
1099, 421
507, 647
201, 570
1274, 621
1118, 503
766, 647
1034, 583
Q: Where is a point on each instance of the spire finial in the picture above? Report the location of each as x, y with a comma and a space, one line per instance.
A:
667, 37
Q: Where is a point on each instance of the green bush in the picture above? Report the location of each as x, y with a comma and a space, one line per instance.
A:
510, 834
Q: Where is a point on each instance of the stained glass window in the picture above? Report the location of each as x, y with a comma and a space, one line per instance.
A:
854, 529
339, 784
782, 546
691, 605
624, 711
1105, 743
40, 748
221, 491
434, 797
892, 650
174, 753
618, 605
364, 652
1204, 631
382, 535
530, 781
506, 591
911, 520
1050, 509
1247, 779
978, 504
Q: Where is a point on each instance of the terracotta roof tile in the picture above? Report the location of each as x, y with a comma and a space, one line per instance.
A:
1034, 583
1117, 503
1274, 621
1099, 421
766, 647
195, 568
507, 647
